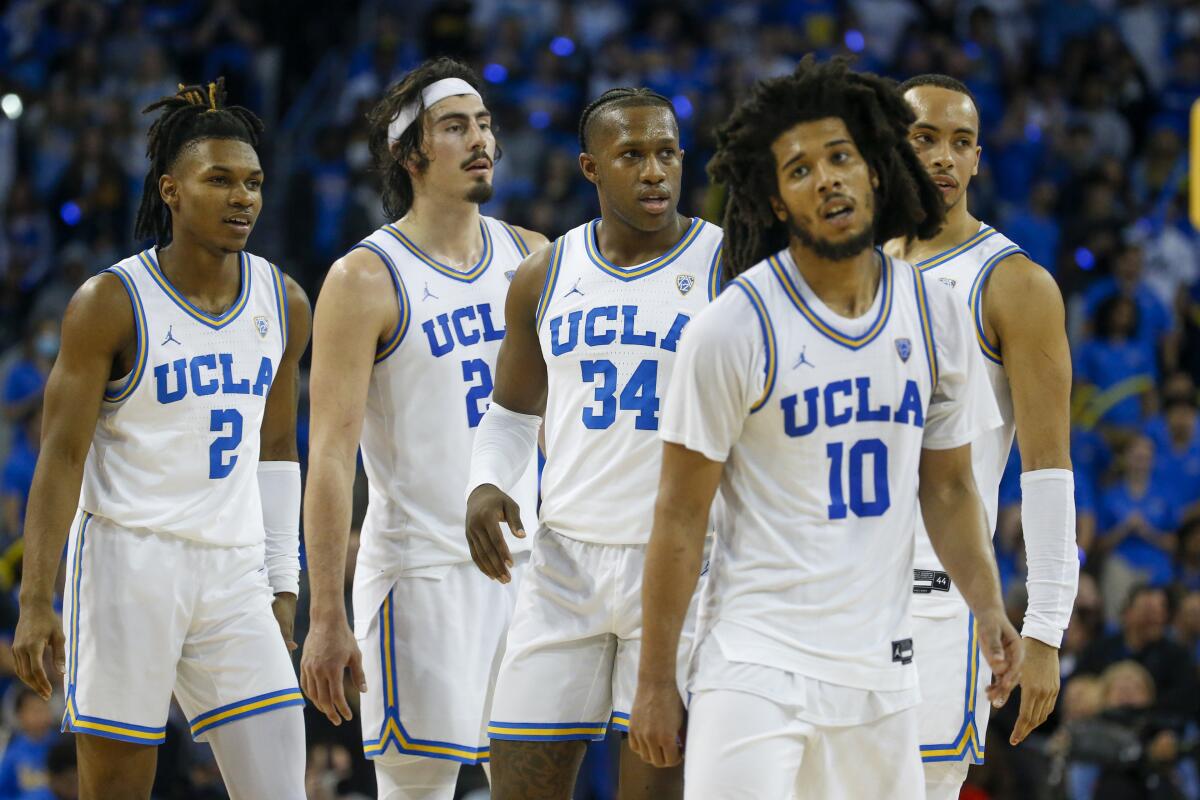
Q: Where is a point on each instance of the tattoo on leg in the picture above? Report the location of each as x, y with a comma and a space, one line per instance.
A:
535, 770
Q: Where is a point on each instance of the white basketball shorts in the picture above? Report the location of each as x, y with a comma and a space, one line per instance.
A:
148, 614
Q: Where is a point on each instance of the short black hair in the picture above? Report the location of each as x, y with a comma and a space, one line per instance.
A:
907, 202
193, 113
621, 97
392, 160
940, 81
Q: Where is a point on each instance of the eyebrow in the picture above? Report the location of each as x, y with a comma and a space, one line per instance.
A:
802, 154
461, 115
931, 127
222, 168
665, 140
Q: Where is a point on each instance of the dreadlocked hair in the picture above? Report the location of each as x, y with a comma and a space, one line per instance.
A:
193, 113
392, 160
623, 97
906, 202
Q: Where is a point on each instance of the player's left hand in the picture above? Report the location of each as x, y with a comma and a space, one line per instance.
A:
1039, 688
284, 609
1001, 646
656, 724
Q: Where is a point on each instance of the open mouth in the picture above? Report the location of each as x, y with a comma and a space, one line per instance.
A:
239, 222
945, 183
655, 203
838, 212
479, 166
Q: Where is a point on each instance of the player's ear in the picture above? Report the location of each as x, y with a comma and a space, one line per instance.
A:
587, 165
778, 208
978, 155
168, 190
874, 179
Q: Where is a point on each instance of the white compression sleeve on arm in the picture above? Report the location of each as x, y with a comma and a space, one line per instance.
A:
1048, 520
279, 487
504, 443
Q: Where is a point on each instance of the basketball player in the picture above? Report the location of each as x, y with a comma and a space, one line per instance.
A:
812, 394
173, 404
593, 327
408, 326
1017, 313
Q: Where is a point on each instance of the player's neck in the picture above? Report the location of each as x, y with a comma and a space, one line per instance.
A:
626, 246
448, 230
208, 276
959, 226
846, 286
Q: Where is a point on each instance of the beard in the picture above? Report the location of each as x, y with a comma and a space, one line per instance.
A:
833, 251
480, 193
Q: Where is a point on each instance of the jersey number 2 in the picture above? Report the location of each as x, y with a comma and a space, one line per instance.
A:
861, 507
477, 393
220, 419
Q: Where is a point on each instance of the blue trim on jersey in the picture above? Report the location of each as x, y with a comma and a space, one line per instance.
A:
250, 707
281, 302
404, 306
592, 247
990, 351
547, 731
485, 258
984, 233
77, 570
714, 271
968, 742
824, 328
768, 333
393, 732
926, 328
556, 256
619, 721
142, 341
215, 322
517, 239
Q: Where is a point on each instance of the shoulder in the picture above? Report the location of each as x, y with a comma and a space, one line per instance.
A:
101, 314
531, 272
534, 241
1018, 274
1021, 291
362, 270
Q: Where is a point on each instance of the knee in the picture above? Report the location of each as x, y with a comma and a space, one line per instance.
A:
944, 780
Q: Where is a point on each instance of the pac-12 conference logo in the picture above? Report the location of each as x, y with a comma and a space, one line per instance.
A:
260, 323
684, 283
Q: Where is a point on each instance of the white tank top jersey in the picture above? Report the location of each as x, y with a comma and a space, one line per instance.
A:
609, 336
820, 421
965, 269
429, 388
177, 442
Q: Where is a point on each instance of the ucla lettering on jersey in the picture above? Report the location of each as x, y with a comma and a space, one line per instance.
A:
429, 389
965, 269
609, 336
177, 441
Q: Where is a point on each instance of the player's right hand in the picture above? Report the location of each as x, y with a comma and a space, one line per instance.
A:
329, 649
486, 508
656, 723
1001, 645
37, 628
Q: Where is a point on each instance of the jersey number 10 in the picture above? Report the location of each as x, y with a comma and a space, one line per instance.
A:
859, 451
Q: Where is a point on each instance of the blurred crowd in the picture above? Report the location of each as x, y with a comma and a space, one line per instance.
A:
1084, 107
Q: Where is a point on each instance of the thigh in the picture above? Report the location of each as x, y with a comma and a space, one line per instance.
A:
535, 770
954, 679
235, 663
555, 682
741, 747
877, 760
125, 616
111, 768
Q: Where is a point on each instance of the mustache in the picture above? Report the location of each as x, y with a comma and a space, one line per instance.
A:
475, 156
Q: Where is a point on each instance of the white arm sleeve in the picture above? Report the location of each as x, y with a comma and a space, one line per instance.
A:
1048, 519
279, 487
504, 443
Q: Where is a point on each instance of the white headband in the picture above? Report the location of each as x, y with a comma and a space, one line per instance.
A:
433, 93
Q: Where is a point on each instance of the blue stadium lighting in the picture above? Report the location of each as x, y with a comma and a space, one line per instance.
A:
855, 41
495, 73
1033, 132
1084, 258
683, 106
71, 213
539, 120
972, 50
562, 46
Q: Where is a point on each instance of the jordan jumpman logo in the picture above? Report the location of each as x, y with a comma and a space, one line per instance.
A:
575, 289
170, 337
429, 294
803, 360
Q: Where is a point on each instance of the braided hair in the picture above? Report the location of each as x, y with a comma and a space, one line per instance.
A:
193, 113
877, 117
623, 97
392, 160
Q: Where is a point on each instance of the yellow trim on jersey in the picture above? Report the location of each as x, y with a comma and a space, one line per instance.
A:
143, 344
768, 332
111, 728
485, 258
954, 252
517, 238
853, 342
629, 273
288, 698
926, 329
392, 730
556, 256
281, 301
218, 321
588, 730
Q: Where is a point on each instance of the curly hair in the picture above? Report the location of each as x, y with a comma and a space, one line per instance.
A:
392, 159
877, 117
193, 113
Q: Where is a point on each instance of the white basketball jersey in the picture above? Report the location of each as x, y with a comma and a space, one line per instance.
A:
820, 421
431, 384
609, 336
177, 442
965, 269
